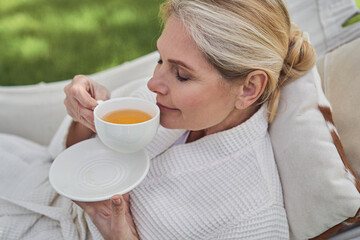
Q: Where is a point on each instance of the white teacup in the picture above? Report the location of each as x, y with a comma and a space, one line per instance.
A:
126, 138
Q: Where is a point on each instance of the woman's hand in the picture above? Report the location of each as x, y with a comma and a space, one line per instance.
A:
81, 99
112, 217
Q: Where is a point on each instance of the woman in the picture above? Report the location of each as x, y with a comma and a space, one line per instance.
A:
221, 67
222, 64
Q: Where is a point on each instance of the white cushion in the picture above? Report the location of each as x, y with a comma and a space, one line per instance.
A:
341, 83
319, 191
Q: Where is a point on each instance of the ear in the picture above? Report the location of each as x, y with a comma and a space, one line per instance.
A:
252, 89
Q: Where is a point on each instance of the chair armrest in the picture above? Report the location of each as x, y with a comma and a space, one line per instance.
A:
36, 111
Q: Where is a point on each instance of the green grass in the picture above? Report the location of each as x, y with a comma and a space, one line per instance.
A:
354, 19
53, 40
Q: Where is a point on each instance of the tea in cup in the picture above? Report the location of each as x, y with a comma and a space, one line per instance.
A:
126, 124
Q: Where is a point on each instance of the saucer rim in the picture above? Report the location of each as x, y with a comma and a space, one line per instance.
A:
103, 197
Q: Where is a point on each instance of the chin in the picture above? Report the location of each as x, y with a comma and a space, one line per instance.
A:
166, 125
169, 123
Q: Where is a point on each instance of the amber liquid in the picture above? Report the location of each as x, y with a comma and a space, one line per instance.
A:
127, 116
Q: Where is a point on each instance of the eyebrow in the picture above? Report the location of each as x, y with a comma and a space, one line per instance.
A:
180, 63
177, 62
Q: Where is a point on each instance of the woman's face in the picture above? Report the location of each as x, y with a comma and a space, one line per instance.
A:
191, 93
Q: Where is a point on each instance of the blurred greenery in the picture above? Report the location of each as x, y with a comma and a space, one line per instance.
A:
47, 41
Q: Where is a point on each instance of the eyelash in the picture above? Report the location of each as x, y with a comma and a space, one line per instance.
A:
181, 79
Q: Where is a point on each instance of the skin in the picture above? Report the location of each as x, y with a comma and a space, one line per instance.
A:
112, 217
190, 90
191, 94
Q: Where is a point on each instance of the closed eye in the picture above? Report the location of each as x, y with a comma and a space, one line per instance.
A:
181, 79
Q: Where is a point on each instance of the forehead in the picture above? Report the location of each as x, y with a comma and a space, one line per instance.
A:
176, 42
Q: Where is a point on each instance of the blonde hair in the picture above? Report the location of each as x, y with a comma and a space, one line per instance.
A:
240, 36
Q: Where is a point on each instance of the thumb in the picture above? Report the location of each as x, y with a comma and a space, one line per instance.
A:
117, 205
118, 220
99, 92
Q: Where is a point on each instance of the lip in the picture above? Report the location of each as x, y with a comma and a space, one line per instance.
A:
165, 109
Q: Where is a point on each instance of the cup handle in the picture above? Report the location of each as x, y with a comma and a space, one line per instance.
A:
98, 102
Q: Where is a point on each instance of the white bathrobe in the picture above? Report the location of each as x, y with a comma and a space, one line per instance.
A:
223, 186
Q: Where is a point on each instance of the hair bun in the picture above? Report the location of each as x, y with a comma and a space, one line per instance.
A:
301, 56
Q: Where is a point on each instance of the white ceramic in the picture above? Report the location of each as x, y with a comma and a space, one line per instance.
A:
126, 137
89, 171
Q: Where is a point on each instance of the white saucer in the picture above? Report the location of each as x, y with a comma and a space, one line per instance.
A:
89, 171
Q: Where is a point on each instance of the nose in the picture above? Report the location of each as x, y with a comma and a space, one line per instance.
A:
157, 85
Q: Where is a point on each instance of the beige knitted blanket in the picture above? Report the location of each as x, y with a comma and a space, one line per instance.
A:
29, 207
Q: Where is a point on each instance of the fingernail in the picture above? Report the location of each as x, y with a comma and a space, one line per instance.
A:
116, 201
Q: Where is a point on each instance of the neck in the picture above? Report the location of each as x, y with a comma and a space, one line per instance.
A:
235, 118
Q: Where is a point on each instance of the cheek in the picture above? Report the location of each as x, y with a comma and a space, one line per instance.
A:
190, 101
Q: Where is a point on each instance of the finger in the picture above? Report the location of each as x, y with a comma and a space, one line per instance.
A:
118, 207
68, 106
121, 227
118, 220
88, 124
86, 207
84, 97
98, 91
86, 121
86, 114
73, 106
81, 88
126, 197
79, 113
128, 215
101, 93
